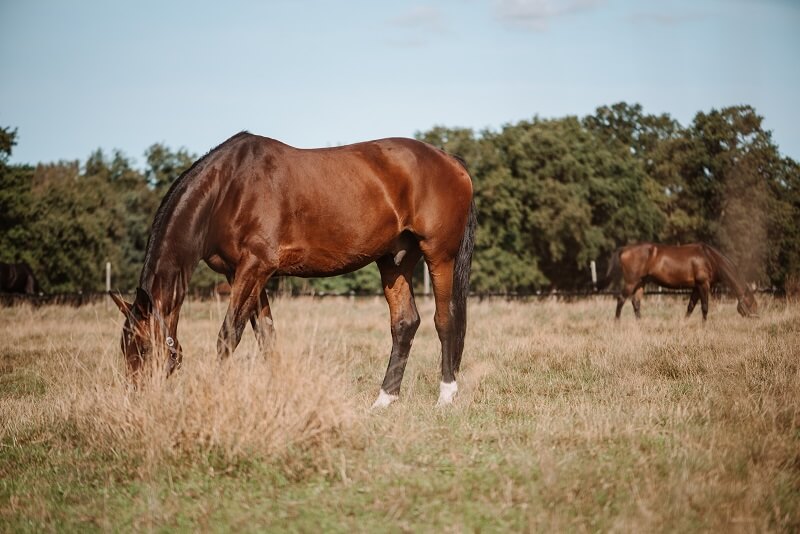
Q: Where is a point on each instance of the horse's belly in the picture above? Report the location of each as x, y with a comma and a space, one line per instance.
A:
676, 279
323, 262
333, 254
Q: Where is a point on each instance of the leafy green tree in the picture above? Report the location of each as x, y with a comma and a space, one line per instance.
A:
70, 219
15, 203
8, 139
165, 165
551, 195
736, 161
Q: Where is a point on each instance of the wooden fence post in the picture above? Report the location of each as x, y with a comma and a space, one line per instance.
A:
108, 282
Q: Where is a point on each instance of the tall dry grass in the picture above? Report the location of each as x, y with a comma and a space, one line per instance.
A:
250, 406
565, 420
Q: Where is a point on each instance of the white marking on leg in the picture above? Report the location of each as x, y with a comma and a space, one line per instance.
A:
447, 391
383, 400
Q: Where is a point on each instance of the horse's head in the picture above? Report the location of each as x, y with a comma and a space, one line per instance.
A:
145, 336
747, 307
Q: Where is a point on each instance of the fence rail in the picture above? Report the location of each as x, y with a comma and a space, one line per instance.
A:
80, 299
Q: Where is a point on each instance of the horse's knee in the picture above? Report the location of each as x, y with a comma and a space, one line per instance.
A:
405, 328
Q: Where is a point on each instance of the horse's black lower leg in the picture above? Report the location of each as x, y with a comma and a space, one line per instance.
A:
692, 302
637, 306
620, 303
402, 335
704, 293
396, 280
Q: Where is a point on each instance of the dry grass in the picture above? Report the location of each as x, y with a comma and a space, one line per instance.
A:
564, 421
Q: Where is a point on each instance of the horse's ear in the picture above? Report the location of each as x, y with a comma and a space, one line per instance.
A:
143, 302
123, 306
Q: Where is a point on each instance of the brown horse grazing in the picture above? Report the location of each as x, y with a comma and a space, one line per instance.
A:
697, 266
17, 278
254, 208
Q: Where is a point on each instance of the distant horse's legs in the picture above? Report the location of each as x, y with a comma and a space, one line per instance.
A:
627, 290
693, 301
397, 288
705, 290
636, 300
250, 279
621, 298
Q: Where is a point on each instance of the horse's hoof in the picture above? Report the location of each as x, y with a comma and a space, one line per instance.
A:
383, 400
447, 392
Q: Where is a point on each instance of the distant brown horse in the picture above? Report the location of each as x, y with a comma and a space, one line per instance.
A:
697, 267
17, 278
254, 208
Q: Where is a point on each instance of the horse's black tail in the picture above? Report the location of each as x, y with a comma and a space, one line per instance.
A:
461, 270
614, 272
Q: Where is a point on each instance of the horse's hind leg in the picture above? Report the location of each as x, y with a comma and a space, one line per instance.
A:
692, 301
442, 279
397, 288
705, 290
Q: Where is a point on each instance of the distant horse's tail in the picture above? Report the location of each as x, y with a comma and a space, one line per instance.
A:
614, 272
461, 270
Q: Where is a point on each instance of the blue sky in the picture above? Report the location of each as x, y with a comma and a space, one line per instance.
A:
75, 76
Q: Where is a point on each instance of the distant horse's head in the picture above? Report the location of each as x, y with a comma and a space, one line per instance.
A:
145, 336
748, 307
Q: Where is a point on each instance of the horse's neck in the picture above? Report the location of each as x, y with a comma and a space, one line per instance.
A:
167, 275
167, 288
175, 248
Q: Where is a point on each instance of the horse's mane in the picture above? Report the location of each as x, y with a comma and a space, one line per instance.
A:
168, 203
727, 270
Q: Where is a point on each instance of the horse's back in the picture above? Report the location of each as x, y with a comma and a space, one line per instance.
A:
332, 209
672, 266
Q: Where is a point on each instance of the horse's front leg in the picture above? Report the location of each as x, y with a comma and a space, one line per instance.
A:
251, 277
263, 325
693, 301
705, 291
636, 300
621, 298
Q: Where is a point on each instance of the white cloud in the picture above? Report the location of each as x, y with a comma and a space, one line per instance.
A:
420, 18
537, 14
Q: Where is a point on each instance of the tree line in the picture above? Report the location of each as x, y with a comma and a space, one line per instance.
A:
551, 195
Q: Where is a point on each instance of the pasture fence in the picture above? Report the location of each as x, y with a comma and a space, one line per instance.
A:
82, 298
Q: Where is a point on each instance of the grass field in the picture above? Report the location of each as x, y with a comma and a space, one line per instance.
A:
564, 421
